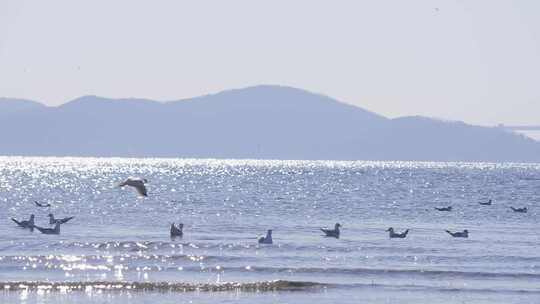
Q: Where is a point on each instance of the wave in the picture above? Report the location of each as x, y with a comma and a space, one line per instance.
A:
404, 272
243, 244
277, 285
263, 286
128, 258
138, 246
219, 263
317, 271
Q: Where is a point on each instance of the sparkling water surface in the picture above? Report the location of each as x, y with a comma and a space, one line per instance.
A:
117, 236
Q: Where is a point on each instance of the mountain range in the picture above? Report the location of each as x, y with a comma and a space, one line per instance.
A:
264, 122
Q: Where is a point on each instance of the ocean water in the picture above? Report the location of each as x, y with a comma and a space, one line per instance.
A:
117, 249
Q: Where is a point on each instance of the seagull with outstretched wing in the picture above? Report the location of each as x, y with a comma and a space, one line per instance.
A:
53, 220
137, 183
25, 224
42, 205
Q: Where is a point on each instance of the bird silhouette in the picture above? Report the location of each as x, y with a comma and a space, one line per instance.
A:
177, 231
29, 224
459, 234
393, 234
266, 239
136, 183
332, 232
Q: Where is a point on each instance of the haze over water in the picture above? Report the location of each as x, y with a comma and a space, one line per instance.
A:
225, 204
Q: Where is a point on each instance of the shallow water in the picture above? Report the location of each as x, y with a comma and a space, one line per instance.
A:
225, 204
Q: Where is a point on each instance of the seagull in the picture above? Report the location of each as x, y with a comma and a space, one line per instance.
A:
488, 203
53, 221
42, 205
55, 230
393, 234
137, 183
464, 234
266, 239
520, 210
449, 208
177, 231
25, 224
332, 232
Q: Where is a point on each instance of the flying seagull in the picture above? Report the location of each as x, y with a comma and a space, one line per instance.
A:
177, 230
393, 234
55, 230
137, 183
332, 232
266, 239
25, 224
42, 205
53, 221
464, 234
449, 208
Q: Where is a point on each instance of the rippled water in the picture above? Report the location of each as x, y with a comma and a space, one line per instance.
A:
117, 237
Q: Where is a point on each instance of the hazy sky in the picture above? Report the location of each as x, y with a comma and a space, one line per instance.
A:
477, 61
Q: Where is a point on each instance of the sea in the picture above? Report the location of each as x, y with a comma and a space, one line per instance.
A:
117, 248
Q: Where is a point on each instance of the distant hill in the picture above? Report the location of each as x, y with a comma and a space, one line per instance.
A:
270, 122
13, 105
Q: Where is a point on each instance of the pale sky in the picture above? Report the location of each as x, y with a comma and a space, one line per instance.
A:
476, 61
